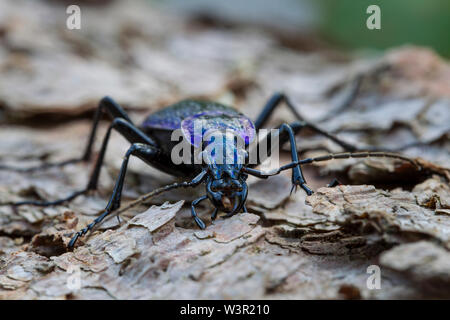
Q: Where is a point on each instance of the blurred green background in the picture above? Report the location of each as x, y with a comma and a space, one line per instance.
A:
420, 22
339, 22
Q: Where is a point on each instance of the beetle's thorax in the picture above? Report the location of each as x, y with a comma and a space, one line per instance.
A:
223, 148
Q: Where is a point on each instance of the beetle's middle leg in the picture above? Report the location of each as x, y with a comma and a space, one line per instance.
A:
285, 133
106, 106
127, 130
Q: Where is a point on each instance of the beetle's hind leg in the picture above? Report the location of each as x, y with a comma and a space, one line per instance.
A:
276, 100
127, 130
140, 150
106, 105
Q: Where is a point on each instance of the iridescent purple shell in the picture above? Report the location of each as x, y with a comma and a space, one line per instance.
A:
195, 127
208, 115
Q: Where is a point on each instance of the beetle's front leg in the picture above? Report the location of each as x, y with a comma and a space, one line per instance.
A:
199, 221
214, 214
286, 133
297, 174
140, 150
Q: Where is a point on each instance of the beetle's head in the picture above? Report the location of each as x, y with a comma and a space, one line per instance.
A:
226, 188
226, 185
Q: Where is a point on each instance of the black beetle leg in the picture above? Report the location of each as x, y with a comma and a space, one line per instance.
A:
276, 100
106, 105
85, 230
286, 133
214, 214
297, 174
114, 111
126, 129
335, 182
199, 221
142, 151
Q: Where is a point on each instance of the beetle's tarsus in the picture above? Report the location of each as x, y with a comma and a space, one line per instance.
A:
229, 215
298, 180
307, 189
303, 186
214, 214
85, 230
200, 223
73, 240
294, 188
335, 182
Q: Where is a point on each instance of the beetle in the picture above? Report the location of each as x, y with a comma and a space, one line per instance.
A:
225, 183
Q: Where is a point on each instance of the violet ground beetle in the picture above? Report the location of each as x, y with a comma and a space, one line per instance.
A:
226, 184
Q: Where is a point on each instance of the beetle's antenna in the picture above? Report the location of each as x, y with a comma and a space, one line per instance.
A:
365, 154
152, 194
186, 184
331, 156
